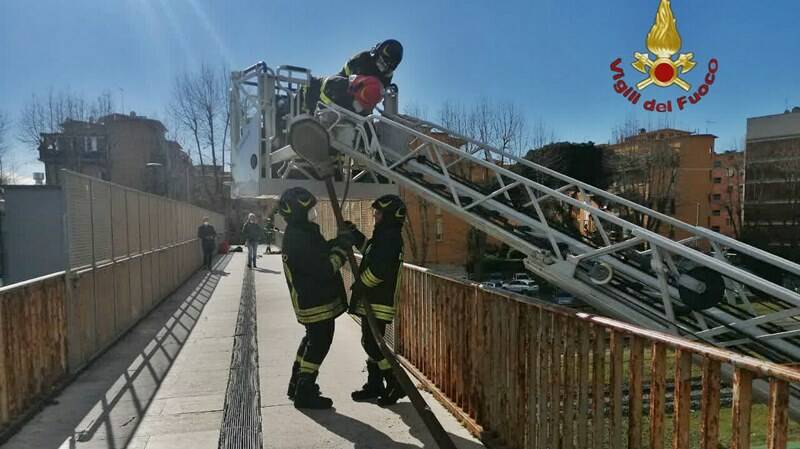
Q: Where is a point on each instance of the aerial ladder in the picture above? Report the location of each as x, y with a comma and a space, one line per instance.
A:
686, 286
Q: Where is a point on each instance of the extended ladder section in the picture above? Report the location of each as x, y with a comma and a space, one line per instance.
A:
626, 270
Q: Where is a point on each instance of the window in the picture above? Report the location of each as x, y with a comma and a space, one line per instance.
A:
716, 197
439, 229
715, 228
717, 180
717, 164
715, 213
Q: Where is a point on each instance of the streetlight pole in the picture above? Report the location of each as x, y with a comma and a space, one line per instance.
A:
162, 188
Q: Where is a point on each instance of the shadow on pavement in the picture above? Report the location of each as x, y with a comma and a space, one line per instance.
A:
135, 367
364, 436
405, 410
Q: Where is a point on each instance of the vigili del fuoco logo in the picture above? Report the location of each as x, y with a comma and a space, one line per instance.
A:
665, 68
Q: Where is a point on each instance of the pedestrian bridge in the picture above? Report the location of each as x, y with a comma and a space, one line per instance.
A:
207, 367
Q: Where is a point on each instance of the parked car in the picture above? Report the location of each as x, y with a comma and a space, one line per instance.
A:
522, 277
522, 286
565, 298
492, 284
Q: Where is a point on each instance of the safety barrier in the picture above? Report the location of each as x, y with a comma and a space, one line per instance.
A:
127, 251
530, 375
33, 334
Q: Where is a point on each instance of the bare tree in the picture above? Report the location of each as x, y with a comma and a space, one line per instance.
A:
646, 172
103, 105
510, 134
200, 107
44, 114
5, 127
417, 110
627, 128
539, 135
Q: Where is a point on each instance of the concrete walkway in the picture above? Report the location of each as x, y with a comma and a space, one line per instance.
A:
163, 385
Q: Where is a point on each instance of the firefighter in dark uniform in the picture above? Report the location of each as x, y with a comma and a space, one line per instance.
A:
311, 266
356, 93
378, 281
381, 62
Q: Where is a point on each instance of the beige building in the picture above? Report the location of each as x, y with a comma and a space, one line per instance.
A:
129, 150
667, 170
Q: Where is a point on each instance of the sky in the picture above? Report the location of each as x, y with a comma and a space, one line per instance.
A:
551, 57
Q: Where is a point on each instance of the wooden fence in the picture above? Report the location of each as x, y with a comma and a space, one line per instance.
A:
33, 338
537, 376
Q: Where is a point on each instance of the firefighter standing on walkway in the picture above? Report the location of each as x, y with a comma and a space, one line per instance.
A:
311, 266
378, 282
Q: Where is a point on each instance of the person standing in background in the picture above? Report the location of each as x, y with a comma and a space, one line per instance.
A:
251, 232
269, 234
208, 239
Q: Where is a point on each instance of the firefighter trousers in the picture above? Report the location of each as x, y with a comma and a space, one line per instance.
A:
371, 346
315, 345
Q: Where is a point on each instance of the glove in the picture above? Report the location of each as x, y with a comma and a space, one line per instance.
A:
357, 291
351, 234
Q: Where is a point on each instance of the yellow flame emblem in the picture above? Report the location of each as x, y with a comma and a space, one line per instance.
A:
664, 41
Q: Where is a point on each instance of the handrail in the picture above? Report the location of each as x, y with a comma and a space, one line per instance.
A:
29, 282
524, 373
742, 361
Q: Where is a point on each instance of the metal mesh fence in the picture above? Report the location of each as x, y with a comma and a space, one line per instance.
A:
106, 221
79, 220
127, 250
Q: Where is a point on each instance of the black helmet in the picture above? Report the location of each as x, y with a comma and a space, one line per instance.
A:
392, 208
390, 52
295, 203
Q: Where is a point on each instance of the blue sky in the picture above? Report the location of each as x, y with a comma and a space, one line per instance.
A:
550, 56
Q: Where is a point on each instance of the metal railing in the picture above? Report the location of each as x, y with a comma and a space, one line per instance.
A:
532, 375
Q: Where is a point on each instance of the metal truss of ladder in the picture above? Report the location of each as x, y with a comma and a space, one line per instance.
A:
686, 287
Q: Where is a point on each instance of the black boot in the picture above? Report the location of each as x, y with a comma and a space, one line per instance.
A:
393, 391
307, 396
373, 389
293, 380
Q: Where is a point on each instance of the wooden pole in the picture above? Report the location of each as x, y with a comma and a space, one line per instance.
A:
440, 436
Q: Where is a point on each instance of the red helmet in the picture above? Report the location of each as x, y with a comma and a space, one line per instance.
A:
368, 90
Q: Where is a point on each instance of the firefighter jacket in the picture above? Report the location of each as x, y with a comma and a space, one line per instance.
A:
364, 64
379, 272
331, 90
335, 90
311, 266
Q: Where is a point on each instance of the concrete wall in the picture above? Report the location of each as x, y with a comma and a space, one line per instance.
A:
33, 232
